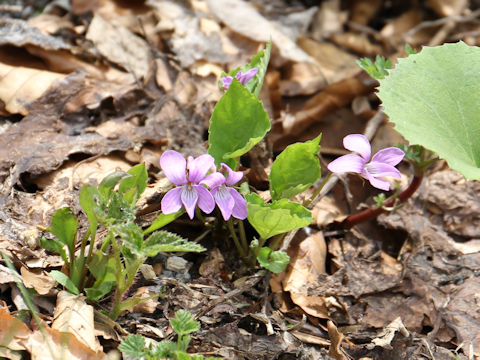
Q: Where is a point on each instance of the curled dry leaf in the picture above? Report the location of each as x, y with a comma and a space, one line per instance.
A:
41, 282
306, 265
120, 46
12, 331
336, 339
74, 316
20, 86
243, 18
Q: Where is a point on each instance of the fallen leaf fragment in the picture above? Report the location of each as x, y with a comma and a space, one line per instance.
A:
244, 19
385, 338
74, 316
20, 86
12, 331
41, 282
336, 339
120, 46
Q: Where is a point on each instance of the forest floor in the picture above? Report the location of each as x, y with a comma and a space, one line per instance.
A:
91, 87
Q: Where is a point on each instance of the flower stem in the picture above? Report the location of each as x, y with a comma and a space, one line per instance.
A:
317, 191
243, 237
240, 249
372, 213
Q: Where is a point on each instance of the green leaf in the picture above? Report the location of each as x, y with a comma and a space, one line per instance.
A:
295, 169
184, 323
132, 238
275, 261
108, 183
432, 97
238, 122
54, 245
89, 195
276, 218
133, 186
164, 349
134, 346
377, 69
102, 266
182, 355
97, 292
65, 281
64, 227
164, 241
162, 220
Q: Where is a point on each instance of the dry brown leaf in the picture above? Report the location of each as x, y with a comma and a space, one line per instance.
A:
335, 64
328, 20
447, 7
358, 43
12, 331
326, 211
147, 306
244, 19
385, 338
302, 79
50, 23
310, 338
74, 316
59, 345
362, 11
336, 339
307, 263
120, 46
213, 265
399, 26
20, 86
37, 279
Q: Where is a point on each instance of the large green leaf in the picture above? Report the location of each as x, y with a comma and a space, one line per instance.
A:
89, 195
64, 227
276, 218
238, 122
433, 97
295, 169
108, 183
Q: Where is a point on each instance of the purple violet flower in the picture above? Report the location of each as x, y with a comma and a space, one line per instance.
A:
187, 175
382, 164
229, 200
240, 76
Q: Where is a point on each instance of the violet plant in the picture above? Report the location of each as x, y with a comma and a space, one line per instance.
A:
237, 124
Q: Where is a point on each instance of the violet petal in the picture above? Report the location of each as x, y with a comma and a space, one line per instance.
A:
213, 180
189, 198
174, 165
359, 144
172, 201
224, 201
227, 81
381, 184
347, 163
391, 156
198, 167
377, 169
239, 210
205, 199
232, 176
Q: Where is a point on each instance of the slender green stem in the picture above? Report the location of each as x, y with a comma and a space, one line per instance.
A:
276, 240
243, 237
317, 191
240, 249
199, 215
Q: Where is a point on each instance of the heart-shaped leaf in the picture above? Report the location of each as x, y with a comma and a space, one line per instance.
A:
432, 97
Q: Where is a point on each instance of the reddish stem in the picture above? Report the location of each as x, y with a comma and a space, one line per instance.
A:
372, 213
